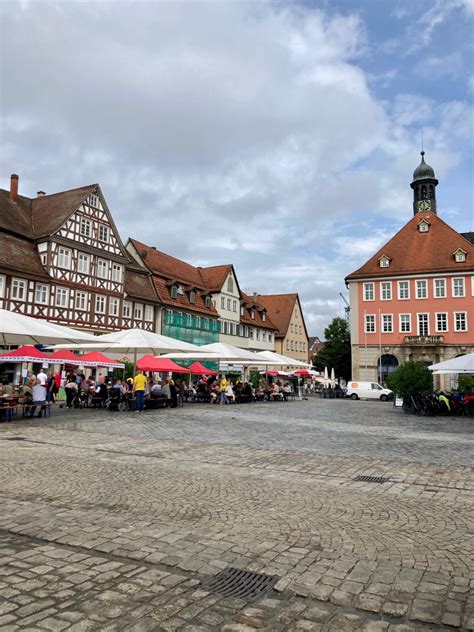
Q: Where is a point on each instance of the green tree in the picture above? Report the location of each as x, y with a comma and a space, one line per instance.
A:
336, 351
410, 378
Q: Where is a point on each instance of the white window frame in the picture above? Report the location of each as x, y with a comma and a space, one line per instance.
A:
385, 285
103, 227
382, 323
400, 328
456, 329
435, 295
399, 285
418, 285
234, 306
45, 291
222, 302
127, 309
460, 257
83, 257
384, 262
63, 292
94, 201
368, 288
100, 304
18, 283
374, 322
138, 311
270, 337
117, 272
437, 329
3, 282
85, 221
80, 301
64, 256
114, 305
149, 313
100, 269
453, 286
418, 323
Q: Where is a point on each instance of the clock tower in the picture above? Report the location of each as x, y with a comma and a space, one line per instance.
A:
424, 188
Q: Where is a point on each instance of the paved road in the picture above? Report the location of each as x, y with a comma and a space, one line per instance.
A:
112, 521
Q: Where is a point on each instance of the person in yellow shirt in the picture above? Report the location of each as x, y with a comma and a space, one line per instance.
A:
222, 389
139, 384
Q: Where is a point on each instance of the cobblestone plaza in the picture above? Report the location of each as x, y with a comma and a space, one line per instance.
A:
112, 521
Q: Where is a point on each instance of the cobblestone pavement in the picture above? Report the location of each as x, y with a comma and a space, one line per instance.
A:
111, 521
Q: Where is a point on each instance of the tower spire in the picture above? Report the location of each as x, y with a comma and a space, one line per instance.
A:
424, 186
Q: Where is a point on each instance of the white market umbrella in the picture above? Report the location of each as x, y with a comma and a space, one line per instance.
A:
223, 352
17, 329
462, 364
272, 358
333, 377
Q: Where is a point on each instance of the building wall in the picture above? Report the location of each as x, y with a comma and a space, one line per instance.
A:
295, 342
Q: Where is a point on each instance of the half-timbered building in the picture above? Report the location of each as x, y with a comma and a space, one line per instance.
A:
61, 258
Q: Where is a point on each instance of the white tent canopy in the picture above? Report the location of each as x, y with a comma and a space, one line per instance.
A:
272, 358
462, 364
135, 342
17, 329
220, 352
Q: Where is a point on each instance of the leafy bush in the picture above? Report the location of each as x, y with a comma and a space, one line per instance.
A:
410, 378
466, 383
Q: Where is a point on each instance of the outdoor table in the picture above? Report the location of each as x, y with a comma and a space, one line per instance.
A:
6, 409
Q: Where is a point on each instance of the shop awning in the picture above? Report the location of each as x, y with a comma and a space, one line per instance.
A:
160, 365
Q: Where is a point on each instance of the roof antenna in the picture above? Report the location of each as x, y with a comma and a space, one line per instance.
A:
422, 147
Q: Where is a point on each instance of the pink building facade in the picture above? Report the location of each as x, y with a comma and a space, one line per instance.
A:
414, 299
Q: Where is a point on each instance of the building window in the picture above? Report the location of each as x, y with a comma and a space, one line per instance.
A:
138, 311
174, 291
441, 322
242, 308
460, 256
61, 297
192, 297
93, 201
100, 304
386, 291
270, 336
369, 292
43, 258
207, 300
149, 313
251, 332
423, 325
252, 314
102, 269
86, 227
440, 288
18, 291
258, 334
291, 328
405, 323
230, 284
127, 309
113, 307
103, 233
41, 293
228, 304
422, 289
387, 323
117, 272
64, 258
403, 290
384, 262
234, 329
460, 321
2, 286
222, 302
264, 336
81, 301
369, 327
264, 316
458, 287
83, 263
423, 226
234, 306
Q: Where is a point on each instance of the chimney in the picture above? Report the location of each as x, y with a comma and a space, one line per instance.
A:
14, 188
40, 194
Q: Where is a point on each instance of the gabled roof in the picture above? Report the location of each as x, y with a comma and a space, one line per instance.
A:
280, 309
214, 276
413, 252
182, 300
167, 266
139, 285
246, 319
21, 255
41, 216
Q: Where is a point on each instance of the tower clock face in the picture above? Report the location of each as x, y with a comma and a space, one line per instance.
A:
424, 206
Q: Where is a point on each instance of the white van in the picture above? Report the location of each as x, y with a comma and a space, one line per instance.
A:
368, 390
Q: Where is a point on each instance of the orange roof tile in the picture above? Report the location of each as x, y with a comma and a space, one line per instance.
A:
413, 252
280, 308
214, 276
167, 266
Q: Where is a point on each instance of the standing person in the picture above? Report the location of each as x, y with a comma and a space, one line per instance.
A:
173, 393
139, 384
222, 390
42, 377
50, 387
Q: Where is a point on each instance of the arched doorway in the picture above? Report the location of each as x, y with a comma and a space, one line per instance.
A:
387, 364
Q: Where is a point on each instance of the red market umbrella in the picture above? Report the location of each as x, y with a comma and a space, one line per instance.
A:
197, 368
95, 358
160, 365
26, 353
63, 356
304, 373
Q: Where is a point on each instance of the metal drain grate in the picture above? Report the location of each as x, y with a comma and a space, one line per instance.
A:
234, 582
371, 479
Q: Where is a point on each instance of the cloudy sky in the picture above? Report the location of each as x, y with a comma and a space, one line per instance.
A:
278, 136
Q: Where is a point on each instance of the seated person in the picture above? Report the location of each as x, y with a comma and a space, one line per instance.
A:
39, 398
229, 392
286, 391
246, 393
117, 389
275, 392
156, 390
166, 390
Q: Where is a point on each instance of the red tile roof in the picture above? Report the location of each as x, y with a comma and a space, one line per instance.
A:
250, 303
167, 266
413, 252
214, 276
280, 309
20, 255
182, 300
140, 285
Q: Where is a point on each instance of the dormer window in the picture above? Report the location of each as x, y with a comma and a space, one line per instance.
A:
179, 290
423, 226
252, 314
192, 297
241, 310
264, 316
174, 291
384, 261
207, 300
460, 255
230, 284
